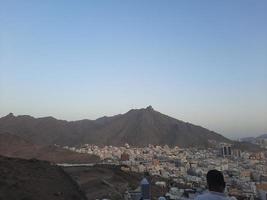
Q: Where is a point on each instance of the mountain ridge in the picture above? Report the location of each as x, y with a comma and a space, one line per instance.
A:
138, 127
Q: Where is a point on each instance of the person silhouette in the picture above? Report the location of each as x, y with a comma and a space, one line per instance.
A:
216, 186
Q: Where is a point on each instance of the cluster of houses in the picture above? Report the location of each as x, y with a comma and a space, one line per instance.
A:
245, 172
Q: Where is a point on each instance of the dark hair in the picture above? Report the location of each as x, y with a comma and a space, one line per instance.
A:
215, 181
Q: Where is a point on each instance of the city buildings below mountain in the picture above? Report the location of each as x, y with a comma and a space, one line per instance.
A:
185, 168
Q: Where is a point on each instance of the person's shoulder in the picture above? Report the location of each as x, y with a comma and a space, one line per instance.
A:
202, 196
232, 198
211, 196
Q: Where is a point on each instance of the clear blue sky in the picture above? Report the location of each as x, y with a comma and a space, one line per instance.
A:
199, 61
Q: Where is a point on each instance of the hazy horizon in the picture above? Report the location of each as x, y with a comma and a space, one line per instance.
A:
201, 62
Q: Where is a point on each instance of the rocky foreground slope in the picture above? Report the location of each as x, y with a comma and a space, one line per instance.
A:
110, 182
35, 180
15, 146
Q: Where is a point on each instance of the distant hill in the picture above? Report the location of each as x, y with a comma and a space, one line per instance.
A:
15, 146
33, 179
248, 139
253, 143
253, 139
247, 146
264, 136
138, 127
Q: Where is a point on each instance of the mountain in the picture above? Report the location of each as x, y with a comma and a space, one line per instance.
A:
264, 136
247, 146
254, 139
33, 179
15, 146
254, 143
138, 127
141, 127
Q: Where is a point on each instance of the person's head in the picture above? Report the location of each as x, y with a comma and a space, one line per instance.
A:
215, 181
